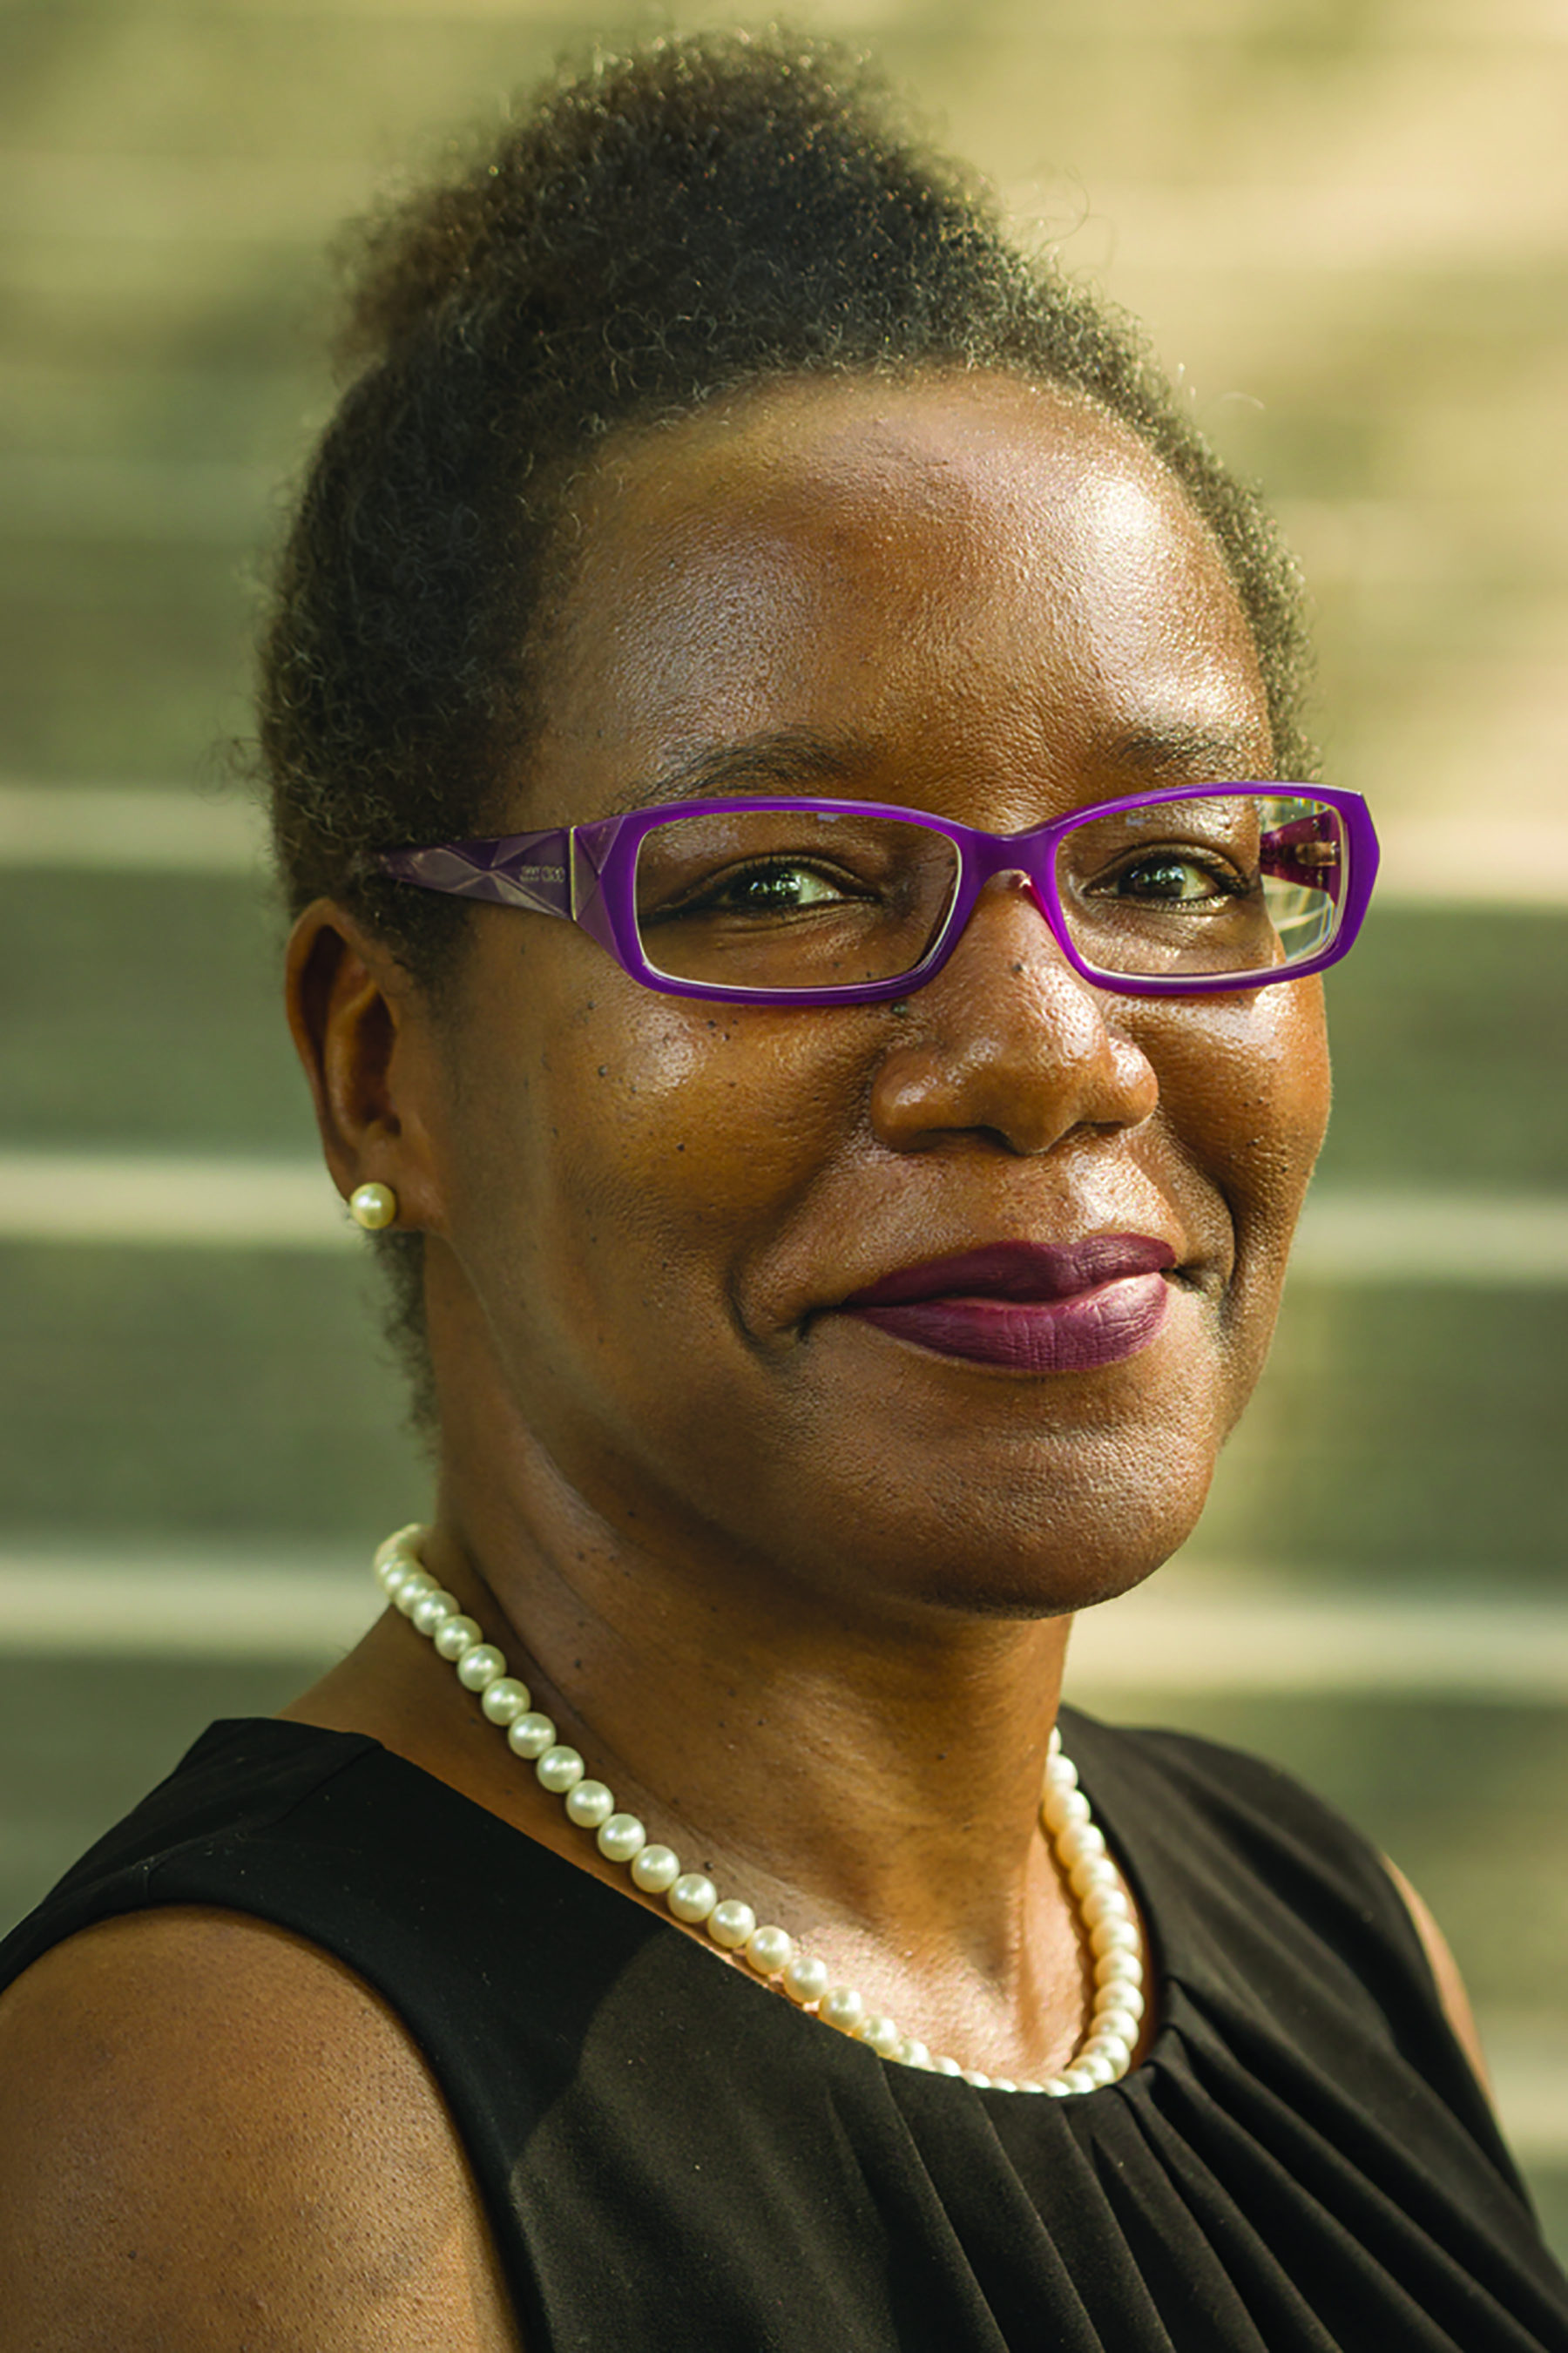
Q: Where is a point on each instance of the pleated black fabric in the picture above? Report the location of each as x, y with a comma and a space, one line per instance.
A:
673, 2158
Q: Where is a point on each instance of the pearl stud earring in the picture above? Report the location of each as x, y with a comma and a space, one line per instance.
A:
372, 1207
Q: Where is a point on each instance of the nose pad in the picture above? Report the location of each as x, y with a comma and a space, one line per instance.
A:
1027, 888
1015, 883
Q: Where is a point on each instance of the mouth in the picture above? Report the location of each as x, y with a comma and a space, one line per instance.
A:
1027, 1307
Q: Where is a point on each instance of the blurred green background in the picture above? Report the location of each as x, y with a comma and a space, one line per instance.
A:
1344, 222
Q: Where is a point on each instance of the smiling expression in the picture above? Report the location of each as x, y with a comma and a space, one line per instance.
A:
964, 594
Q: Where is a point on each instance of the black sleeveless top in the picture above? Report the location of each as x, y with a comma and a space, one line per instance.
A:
673, 2160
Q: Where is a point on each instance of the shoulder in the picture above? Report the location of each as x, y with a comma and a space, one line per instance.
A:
212, 2133
1234, 1847
1249, 1825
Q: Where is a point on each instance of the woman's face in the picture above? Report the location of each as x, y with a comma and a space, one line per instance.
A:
970, 595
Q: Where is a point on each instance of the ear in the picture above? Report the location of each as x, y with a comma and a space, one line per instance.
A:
363, 1032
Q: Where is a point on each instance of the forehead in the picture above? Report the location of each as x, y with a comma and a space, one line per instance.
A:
967, 578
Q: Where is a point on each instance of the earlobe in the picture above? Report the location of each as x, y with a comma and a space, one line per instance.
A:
354, 1018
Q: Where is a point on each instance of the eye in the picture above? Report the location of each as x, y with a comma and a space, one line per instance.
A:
770, 886
1174, 877
777, 889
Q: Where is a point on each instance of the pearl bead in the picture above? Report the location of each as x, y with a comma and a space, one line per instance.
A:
1002, 2083
1111, 2048
654, 1869
392, 1552
805, 1980
842, 2006
1096, 2066
882, 2034
1089, 1878
433, 1609
414, 1588
622, 1838
946, 2067
456, 1636
977, 2076
588, 1804
559, 1770
729, 1925
1119, 2025
1109, 1903
768, 1951
692, 1897
481, 1667
1078, 2079
506, 1699
530, 1735
1064, 1806
913, 2054
1076, 1842
1113, 1937
1118, 1966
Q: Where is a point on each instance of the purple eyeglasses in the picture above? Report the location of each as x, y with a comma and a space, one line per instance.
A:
797, 900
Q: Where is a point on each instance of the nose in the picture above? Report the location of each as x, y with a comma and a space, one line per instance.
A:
1008, 1044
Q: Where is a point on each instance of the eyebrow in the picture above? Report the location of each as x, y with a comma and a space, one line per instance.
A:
1219, 752
802, 759
797, 759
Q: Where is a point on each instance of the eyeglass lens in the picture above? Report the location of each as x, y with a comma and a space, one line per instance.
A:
801, 898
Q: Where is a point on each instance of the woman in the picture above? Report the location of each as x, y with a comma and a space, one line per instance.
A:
831, 1258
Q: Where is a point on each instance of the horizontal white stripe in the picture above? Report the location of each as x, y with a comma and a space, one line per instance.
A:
1298, 230
1468, 1239
1192, 1631
1516, 861
1329, 223
141, 1606
1531, 2107
47, 195
1513, 860
113, 828
121, 1200
1527, 2058
126, 1199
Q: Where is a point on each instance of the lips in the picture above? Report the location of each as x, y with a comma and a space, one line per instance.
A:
1028, 1307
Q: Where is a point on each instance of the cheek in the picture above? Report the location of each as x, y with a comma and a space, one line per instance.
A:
1245, 1098
639, 1157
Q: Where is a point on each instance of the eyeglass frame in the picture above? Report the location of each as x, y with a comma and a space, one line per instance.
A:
587, 874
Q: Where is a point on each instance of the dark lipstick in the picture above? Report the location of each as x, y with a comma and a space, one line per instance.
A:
1028, 1307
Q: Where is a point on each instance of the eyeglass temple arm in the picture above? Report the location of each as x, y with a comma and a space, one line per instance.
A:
515, 869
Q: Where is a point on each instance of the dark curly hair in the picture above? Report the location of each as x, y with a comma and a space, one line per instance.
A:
662, 229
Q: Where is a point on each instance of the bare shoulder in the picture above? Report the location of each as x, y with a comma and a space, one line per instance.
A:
1451, 1988
213, 2135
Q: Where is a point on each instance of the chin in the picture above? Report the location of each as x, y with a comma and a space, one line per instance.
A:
1053, 1590
1055, 1559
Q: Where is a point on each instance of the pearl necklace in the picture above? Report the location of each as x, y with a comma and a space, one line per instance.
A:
770, 1952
